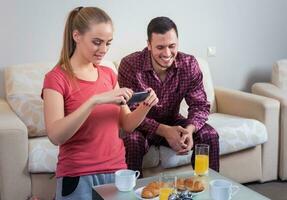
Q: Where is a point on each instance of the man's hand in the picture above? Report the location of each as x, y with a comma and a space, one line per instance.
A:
188, 140
173, 135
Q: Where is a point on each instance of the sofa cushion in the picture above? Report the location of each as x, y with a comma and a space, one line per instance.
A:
23, 84
279, 74
208, 87
236, 133
43, 155
29, 107
207, 82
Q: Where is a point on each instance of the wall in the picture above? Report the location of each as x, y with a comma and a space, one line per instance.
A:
249, 34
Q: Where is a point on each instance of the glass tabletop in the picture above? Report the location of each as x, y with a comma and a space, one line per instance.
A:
110, 192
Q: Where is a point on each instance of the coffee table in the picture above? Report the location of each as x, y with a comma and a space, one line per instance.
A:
110, 192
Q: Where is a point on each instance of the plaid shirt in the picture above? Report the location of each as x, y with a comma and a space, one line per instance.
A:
183, 81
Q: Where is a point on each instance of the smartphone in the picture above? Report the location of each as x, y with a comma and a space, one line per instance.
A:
138, 97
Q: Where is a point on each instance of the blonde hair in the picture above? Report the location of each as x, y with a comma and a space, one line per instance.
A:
79, 19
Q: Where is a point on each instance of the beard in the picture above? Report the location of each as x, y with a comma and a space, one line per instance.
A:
161, 65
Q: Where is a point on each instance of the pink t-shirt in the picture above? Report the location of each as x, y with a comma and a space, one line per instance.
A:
96, 146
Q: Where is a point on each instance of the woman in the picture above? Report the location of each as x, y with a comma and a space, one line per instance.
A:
84, 107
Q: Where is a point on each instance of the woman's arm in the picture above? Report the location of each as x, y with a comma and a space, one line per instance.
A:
59, 127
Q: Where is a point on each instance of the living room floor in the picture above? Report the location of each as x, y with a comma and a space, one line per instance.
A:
275, 190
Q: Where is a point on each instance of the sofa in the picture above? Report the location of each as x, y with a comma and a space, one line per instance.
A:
247, 125
277, 89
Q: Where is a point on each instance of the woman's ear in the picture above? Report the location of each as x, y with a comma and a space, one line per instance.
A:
76, 36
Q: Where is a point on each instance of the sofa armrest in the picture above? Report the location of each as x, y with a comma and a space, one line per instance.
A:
272, 91
243, 104
15, 180
263, 109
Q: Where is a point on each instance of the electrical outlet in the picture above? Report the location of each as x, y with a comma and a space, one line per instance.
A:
211, 51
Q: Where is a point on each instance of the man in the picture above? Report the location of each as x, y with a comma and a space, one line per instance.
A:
173, 75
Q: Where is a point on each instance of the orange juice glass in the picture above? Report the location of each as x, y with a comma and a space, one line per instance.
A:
165, 192
167, 185
201, 159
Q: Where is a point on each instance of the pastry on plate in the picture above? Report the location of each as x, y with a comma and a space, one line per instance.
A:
193, 185
151, 190
180, 184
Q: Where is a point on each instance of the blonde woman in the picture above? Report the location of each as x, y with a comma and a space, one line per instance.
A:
84, 107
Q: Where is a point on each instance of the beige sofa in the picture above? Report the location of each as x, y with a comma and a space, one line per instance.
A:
277, 89
247, 125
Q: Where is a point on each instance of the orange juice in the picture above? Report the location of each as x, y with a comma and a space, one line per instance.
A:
201, 164
164, 193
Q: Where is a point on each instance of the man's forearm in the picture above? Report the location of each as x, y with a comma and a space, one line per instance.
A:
161, 130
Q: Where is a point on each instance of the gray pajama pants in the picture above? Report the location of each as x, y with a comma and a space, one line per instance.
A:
80, 188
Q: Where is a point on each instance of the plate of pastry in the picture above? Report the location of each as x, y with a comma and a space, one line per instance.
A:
184, 186
138, 193
148, 192
190, 184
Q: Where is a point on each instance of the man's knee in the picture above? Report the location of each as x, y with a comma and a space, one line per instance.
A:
209, 130
207, 134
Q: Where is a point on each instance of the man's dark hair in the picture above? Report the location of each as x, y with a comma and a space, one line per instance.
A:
160, 25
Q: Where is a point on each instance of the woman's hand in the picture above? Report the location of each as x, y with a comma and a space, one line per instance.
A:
129, 121
117, 96
152, 99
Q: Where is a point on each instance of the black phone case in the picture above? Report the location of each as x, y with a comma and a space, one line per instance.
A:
138, 97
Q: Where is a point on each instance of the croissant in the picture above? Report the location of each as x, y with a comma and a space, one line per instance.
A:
180, 184
147, 194
151, 190
193, 185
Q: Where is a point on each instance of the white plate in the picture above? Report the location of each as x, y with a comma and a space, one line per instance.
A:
197, 193
138, 193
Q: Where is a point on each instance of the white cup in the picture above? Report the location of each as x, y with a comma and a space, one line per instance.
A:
125, 179
222, 189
